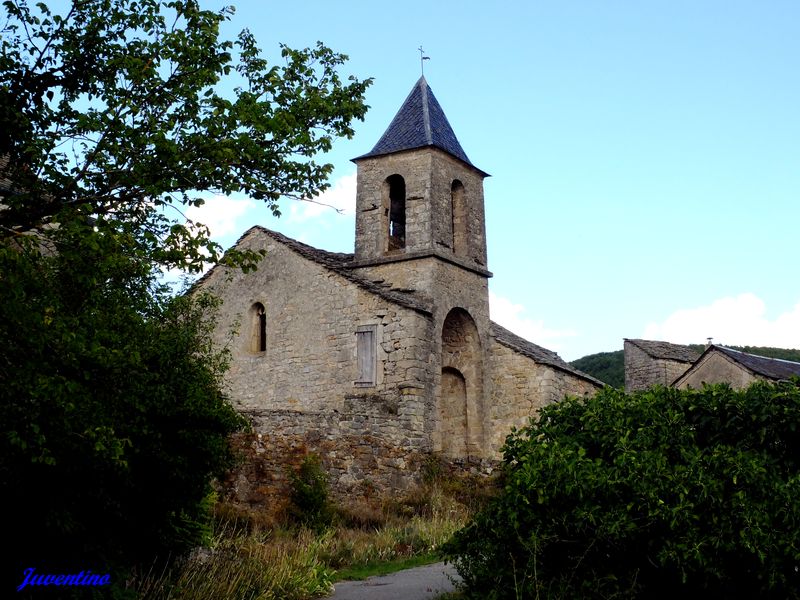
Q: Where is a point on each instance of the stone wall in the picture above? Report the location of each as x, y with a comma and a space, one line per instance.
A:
643, 371
366, 452
520, 387
716, 368
428, 175
310, 361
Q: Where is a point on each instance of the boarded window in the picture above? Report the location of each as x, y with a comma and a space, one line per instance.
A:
366, 355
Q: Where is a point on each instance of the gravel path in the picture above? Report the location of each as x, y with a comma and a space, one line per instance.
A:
419, 583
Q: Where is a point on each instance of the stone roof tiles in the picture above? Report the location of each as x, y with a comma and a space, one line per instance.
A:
420, 123
537, 353
338, 262
665, 350
771, 368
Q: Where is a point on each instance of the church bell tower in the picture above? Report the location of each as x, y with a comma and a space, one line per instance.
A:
418, 195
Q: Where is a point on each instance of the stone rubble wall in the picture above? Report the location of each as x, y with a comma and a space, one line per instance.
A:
521, 387
643, 371
366, 453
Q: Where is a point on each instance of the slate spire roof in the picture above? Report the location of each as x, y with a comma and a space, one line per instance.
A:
420, 123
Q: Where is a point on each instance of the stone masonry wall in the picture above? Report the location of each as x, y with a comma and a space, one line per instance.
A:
520, 387
643, 371
428, 175
447, 287
301, 393
365, 453
716, 368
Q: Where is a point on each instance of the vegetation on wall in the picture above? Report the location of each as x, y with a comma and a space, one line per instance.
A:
659, 494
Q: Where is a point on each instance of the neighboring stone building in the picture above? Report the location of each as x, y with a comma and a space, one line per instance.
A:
649, 362
378, 359
719, 364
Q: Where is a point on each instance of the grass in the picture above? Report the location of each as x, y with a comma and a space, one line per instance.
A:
254, 559
363, 571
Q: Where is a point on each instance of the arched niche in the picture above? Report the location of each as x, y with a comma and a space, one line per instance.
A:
460, 406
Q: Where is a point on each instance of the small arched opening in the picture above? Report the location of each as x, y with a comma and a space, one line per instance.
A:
397, 212
258, 328
459, 217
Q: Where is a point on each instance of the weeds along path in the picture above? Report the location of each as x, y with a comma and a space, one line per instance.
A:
419, 583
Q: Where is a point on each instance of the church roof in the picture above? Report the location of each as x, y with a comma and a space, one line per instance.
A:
340, 263
537, 353
665, 350
420, 123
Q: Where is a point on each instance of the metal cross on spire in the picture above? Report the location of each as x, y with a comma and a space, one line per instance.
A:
422, 59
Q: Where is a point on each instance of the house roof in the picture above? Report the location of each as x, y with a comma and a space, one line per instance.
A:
771, 368
420, 123
537, 353
665, 350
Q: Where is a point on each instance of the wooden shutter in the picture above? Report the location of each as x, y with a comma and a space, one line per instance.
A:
365, 353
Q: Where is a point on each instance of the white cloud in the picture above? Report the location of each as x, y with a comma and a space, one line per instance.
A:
341, 196
219, 214
735, 321
512, 317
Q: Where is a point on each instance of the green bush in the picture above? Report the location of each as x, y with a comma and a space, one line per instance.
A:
654, 494
311, 504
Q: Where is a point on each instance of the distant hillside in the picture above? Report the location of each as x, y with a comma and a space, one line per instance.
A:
609, 367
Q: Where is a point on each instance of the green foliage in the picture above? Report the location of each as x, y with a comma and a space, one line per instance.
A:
123, 109
608, 367
658, 494
311, 504
113, 419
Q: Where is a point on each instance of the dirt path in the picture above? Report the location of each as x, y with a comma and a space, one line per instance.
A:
419, 583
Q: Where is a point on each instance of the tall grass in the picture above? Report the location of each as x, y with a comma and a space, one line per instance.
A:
244, 565
252, 559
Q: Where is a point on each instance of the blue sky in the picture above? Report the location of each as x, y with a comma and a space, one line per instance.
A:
645, 156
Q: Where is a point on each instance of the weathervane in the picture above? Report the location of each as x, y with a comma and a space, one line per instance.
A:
422, 59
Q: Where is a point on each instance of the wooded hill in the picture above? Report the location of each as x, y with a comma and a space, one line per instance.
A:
609, 367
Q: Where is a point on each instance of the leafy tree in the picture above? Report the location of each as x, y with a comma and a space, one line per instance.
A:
113, 418
118, 109
115, 114
659, 494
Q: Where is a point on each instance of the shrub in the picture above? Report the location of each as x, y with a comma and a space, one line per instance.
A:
311, 505
653, 494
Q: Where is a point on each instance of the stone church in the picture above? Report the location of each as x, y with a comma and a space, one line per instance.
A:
378, 359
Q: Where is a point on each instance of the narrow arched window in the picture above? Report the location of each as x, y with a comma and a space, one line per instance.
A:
459, 217
397, 212
258, 337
